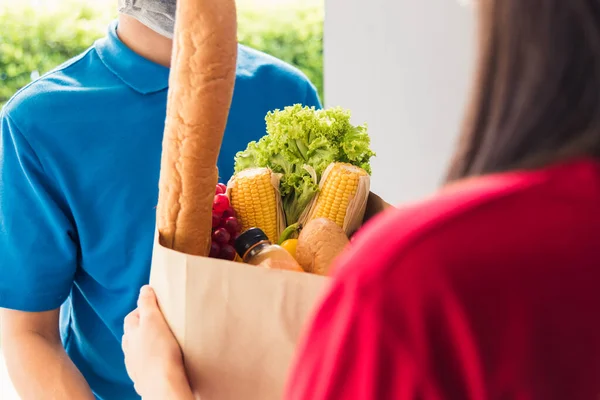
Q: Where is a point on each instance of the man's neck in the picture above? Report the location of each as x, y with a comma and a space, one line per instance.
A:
144, 41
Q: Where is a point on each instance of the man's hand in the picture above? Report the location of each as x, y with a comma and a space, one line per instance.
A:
152, 356
36, 360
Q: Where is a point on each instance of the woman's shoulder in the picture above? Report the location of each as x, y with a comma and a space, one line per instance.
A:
476, 217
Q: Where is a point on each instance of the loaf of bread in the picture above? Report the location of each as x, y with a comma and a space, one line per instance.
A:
320, 242
200, 92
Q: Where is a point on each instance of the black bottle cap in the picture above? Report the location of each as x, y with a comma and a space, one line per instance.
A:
249, 239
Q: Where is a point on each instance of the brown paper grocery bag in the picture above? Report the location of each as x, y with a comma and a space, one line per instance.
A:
237, 324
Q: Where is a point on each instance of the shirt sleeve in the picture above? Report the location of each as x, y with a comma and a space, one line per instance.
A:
38, 253
312, 97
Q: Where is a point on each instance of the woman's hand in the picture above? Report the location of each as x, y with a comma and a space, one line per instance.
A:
152, 356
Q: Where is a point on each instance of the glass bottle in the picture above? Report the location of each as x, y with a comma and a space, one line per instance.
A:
254, 247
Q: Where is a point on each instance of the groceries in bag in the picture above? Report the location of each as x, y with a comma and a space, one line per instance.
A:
320, 242
254, 194
312, 164
225, 226
254, 247
237, 325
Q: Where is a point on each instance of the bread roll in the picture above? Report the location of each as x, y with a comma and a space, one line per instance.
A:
320, 242
200, 91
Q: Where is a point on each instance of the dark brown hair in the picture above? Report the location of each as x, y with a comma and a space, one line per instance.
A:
536, 98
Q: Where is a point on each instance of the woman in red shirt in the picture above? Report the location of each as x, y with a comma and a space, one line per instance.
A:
491, 288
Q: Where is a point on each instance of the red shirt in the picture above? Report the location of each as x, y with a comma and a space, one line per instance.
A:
489, 290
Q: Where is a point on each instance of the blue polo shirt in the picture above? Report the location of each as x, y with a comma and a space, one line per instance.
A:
79, 164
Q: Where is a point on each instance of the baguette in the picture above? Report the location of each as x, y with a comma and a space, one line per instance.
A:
201, 81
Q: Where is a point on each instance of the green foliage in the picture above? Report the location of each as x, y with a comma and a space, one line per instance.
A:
291, 33
35, 40
300, 144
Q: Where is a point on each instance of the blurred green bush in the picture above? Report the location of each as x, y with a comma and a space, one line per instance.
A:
35, 40
291, 33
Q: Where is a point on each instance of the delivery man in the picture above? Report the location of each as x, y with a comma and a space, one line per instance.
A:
80, 153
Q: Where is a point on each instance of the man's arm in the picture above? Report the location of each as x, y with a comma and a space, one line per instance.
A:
36, 360
38, 260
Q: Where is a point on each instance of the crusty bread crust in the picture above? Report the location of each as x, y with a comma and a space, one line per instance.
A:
320, 242
200, 91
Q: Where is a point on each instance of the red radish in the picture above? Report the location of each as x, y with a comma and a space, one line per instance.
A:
223, 187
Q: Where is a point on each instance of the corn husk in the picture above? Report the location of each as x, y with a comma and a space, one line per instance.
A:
250, 220
357, 203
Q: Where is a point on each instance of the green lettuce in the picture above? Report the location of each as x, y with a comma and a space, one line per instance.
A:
300, 143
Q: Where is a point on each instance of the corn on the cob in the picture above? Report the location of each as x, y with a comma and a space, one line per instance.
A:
254, 195
344, 190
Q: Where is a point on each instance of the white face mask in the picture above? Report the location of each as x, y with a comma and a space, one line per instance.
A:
158, 15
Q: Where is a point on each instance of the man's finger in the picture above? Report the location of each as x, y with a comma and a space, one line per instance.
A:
147, 301
132, 320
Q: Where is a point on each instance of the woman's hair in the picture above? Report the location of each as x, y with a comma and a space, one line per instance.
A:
536, 98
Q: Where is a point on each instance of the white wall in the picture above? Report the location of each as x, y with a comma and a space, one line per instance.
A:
404, 67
